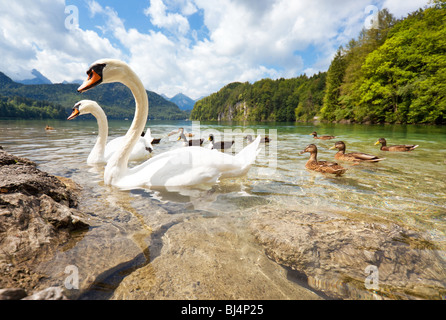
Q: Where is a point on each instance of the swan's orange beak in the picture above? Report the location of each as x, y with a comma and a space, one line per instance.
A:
74, 114
93, 80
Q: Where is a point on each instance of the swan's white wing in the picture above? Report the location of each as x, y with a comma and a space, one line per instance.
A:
188, 166
179, 167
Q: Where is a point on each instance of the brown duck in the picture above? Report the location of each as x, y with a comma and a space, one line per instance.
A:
315, 136
353, 156
400, 147
266, 139
321, 166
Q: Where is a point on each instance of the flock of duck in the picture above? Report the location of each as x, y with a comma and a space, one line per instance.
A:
337, 169
189, 166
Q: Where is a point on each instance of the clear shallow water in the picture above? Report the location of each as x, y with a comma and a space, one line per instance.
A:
406, 188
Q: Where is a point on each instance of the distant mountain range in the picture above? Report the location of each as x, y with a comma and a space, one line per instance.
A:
181, 100
115, 98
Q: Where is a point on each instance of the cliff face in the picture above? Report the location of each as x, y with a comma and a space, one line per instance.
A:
237, 112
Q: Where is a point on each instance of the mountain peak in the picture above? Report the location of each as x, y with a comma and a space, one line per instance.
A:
38, 79
183, 101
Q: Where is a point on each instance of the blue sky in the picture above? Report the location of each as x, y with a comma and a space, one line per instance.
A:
189, 46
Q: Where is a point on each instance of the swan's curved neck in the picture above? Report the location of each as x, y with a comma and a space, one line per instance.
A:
97, 153
119, 161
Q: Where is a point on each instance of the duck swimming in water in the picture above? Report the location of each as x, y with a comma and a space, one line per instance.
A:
315, 136
321, 166
353, 156
220, 145
399, 147
189, 143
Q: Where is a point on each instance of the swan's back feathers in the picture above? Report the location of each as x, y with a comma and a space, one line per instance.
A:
189, 166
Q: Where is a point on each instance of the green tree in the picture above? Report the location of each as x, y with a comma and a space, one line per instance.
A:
335, 76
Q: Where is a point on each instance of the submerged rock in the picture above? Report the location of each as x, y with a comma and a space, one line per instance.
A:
37, 215
51, 293
205, 258
352, 259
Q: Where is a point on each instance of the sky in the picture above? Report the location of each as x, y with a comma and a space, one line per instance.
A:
190, 46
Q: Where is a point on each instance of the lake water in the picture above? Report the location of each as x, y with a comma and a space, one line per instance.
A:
407, 188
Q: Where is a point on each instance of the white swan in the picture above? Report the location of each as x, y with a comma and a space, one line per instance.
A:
102, 151
179, 167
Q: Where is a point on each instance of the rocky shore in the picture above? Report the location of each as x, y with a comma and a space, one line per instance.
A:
38, 216
351, 258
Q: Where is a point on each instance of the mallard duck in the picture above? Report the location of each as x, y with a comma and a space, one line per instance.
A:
220, 145
353, 156
266, 139
321, 166
315, 136
400, 147
189, 143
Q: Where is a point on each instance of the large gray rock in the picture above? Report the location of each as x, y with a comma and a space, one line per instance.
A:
37, 215
350, 258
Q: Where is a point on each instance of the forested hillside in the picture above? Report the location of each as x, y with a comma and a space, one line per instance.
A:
23, 101
24, 108
394, 72
266, 100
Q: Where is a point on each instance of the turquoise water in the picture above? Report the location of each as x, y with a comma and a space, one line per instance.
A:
406, 188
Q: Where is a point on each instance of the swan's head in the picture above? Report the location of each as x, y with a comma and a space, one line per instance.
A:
83, 107
104, 71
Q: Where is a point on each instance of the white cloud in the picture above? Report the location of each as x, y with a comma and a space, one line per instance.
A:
33, 35
173, 22
244, 40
